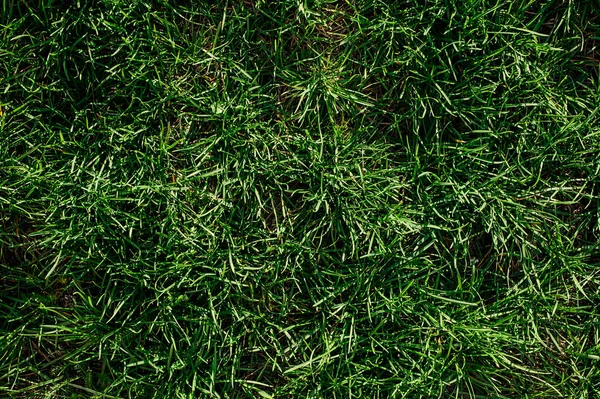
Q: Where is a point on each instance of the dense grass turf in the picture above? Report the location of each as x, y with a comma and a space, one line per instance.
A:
300, 199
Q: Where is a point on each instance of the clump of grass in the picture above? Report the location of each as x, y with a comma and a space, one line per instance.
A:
299, 199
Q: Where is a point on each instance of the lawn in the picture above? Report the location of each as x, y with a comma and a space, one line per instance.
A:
300, 199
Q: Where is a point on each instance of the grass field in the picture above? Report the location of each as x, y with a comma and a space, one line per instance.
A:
300, 199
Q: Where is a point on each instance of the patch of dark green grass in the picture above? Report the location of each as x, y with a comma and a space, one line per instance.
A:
299, 199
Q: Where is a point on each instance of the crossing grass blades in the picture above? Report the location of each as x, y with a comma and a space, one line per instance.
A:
299, 199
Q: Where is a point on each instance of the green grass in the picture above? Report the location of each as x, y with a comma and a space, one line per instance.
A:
300, 199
